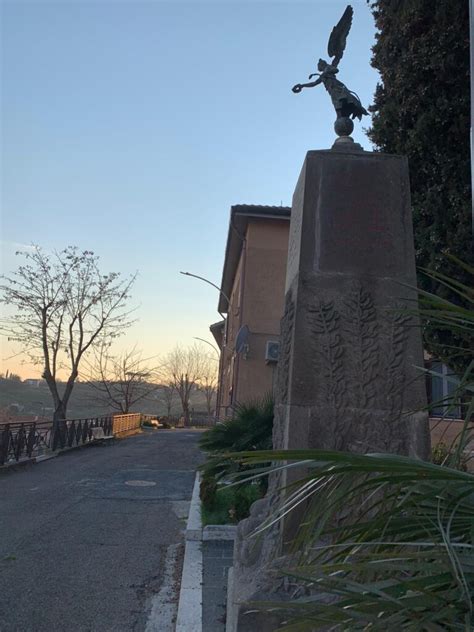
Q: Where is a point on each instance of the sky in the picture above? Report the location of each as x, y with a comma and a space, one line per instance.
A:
130, 128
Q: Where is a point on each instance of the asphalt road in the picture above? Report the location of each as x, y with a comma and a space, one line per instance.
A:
84, 537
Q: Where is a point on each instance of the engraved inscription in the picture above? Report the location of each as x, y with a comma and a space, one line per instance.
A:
346, 233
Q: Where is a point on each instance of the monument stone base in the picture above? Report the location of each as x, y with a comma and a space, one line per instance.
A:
350, 347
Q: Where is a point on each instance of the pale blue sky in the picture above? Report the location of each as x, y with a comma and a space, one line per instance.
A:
130, 128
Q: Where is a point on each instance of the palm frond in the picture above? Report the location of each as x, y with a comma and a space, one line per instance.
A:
250, 428
401, 559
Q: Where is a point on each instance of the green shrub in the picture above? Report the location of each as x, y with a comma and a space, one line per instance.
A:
221, 510
249, 429
229, 504
441, 454
245, 496
208, 491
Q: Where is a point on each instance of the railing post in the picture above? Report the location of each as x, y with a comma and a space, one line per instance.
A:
19, 442
5, 444
31, 440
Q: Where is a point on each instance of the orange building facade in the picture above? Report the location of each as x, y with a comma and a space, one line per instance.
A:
251, 299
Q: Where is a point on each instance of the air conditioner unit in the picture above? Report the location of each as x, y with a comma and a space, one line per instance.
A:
272, 351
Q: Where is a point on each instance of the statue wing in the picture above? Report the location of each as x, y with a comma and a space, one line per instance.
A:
337, 39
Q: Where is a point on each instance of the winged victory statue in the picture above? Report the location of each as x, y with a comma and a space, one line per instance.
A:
346, 103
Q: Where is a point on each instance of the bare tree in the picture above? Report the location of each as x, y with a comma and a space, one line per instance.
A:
12, 377
121, 381
184, 368
208, 383
168, 396
64, 306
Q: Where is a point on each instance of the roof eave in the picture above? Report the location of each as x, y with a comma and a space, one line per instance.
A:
239, 218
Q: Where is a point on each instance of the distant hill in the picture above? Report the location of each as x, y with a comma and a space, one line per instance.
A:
21, 398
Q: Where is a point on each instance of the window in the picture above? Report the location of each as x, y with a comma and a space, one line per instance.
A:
442, 387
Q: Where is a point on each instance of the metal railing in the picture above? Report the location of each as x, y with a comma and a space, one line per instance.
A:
74, 432
24, 440
21, 441
200, 420
126, 423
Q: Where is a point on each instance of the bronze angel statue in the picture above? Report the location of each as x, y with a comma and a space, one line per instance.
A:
346, 103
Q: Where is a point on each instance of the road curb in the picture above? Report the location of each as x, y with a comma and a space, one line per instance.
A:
11, 465
231, 610
189, 617
45, 457
194, 524
219, 532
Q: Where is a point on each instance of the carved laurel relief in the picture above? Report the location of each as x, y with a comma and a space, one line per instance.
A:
360, 356
324, 325
360, 328
394, 369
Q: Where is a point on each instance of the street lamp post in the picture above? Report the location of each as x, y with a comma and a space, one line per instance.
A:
209, 283
210, 344
196, 276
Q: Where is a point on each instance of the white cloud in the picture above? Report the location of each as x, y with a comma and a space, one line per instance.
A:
15, 245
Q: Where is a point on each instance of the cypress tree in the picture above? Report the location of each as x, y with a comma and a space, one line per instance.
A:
422, 110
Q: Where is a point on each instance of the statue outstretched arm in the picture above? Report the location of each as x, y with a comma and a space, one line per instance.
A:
300, 86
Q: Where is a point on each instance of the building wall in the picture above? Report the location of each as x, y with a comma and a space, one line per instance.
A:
263, 301
267, 252
257, 301
232, 327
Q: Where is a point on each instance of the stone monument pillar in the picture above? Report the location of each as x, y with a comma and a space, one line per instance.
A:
347, 376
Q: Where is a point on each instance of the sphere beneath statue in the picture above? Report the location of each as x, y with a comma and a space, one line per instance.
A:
343, 126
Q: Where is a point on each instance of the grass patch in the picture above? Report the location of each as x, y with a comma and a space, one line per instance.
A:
9, 558
230, 504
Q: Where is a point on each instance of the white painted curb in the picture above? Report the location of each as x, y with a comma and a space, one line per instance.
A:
189, 618
219, 532
194, 525
231, 610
